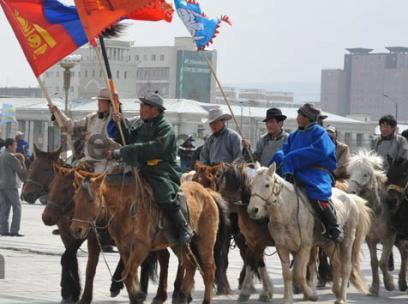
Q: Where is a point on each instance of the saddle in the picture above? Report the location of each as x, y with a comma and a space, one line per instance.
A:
165, 224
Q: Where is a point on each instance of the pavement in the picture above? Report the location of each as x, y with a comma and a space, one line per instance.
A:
32, 271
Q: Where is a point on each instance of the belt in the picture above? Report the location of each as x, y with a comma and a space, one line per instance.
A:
153, 162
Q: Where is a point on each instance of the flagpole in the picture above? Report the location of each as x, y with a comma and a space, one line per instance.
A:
57, 117
226, 101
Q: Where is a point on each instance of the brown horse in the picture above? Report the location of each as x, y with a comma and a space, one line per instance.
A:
135, 225
60, 205
234, 185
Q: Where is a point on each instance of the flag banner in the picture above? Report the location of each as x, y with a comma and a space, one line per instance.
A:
47, 30
202, 29
159, 10
98, 15
8, 113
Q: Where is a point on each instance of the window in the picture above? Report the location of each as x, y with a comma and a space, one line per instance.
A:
125, 74
117, 74
137, 58
153, 57
144, 57
161, 57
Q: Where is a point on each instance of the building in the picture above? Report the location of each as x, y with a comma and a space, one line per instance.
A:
370, 84
177, 71
19, 92
188, 117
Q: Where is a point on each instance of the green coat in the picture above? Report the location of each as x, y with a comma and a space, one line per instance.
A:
149, 141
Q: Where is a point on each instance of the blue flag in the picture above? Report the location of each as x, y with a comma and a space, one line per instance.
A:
201, 28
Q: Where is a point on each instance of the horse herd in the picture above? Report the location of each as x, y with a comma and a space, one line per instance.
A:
254, 207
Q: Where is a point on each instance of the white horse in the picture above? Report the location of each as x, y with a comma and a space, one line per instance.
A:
295, 228
367, 179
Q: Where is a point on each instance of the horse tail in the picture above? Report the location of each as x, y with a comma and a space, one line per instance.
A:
364, 223
149, 269
222, 242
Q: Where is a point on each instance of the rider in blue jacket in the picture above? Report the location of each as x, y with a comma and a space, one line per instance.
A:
309, 157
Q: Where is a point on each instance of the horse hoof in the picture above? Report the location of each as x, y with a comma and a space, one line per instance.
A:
67, 301
339, 302
223, 291
265, 297
82, 301
157, 301
137, 298
243, 298
114, 293
402, 285
313, 297
389, 285
297, 289
373, 291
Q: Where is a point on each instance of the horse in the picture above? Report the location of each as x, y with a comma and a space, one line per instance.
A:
295, 229
35, 186
368, 180
397, 200
135, 226
234, 185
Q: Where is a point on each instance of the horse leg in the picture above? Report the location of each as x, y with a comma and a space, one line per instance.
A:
221, 258
284, 255
93, 258
188, 280
311, 267
346, 265
375, 285
336, 270
388, 243
206, 253
178, 282
245, 292
161, 293
301, 260
117, 283
267, 293
402, 277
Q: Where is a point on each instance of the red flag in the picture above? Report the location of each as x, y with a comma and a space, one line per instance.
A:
97, 15
160, 10
46, 30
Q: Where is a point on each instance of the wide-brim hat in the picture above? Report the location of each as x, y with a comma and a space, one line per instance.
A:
310, 111
217, 114
274, 113
19, 133
103, 94
154, 100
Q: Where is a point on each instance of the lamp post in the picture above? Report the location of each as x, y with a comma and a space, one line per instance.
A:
67, 64
396, 105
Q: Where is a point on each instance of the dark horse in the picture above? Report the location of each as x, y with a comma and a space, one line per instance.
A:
397, 199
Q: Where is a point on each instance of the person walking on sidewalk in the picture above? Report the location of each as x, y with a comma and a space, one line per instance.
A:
10, 166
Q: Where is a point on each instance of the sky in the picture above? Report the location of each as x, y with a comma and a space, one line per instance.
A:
270, 41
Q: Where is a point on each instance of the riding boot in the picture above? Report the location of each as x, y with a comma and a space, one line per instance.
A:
184, 229
329, 220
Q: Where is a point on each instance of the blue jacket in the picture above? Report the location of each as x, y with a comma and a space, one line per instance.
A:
310, 155
23, 148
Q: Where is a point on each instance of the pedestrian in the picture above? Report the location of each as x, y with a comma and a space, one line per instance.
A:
270, 142
224, 144
10, 168
185, 152
196, 154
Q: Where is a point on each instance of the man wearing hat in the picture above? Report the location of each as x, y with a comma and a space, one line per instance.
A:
224, 144
389, 143
343, 155
186, 151
272, 141
96, 126
309, 157
152, 147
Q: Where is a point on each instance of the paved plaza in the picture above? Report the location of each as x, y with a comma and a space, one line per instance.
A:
32, 271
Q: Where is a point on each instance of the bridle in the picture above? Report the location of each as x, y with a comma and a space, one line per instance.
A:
276, 189
63, 208
43, 187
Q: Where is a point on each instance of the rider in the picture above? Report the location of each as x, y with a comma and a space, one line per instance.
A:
153, 148
22, 145
342, 155
309, 155
99, 122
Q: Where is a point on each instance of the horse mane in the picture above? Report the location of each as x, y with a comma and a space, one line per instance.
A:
368, 157
236, 178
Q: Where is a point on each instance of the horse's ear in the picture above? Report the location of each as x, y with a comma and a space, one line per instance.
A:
56, 154
98, 180
56, 167
197, 165
257, 165
389, 160
272, 169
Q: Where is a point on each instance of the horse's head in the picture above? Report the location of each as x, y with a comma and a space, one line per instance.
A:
60, 195
88, 202
397, 183
40, 175
264, 192
205, 175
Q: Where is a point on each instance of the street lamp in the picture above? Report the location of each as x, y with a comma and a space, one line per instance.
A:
67, 64
396, 105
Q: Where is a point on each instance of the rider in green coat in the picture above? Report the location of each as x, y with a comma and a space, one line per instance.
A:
152, 148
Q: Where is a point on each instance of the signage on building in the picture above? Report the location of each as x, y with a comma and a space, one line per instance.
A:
193, 76
8, 113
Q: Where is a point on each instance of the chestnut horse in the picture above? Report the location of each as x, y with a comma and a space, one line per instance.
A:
135, 225
60, 204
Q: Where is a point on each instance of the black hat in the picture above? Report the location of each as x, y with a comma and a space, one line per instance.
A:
388, 119
274, 113
154, 100
308, 110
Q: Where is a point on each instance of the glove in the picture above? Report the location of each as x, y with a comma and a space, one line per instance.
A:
116, 154
289, 177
